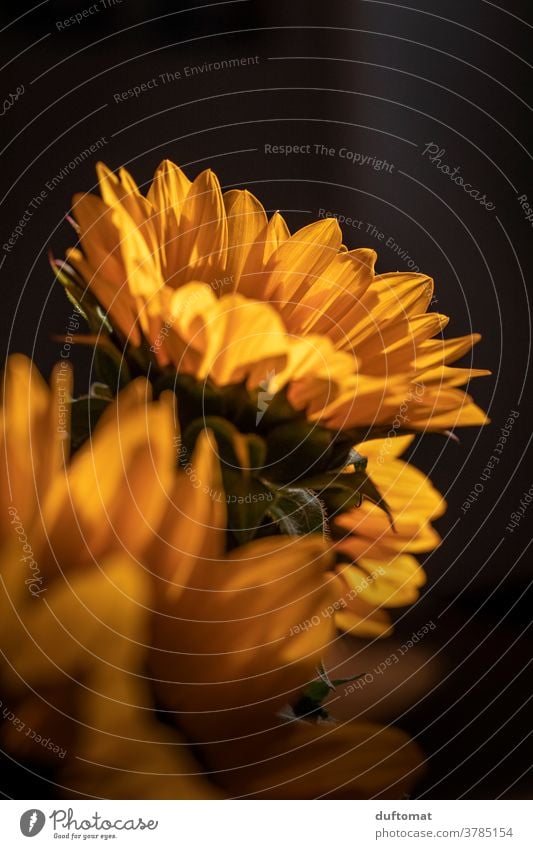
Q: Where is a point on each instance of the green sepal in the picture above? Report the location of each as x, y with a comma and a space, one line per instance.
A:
298, 512
101, 390
224, 432
309, 705
248, 501
74, 287
197, 399
356, 460
111, 367
279, 411
81, 297
257, 451
247, 497
296, 449
341, 491
84, 414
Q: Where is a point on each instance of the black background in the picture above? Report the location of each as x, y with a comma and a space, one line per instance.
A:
380, 78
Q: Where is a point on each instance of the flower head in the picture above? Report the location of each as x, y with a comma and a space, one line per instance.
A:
221, 292
287, 346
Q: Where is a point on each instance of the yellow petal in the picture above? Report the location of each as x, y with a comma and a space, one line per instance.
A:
233, 337
332, 299
169, 189
100, 237
364, 621
391, 298
300, 259
394, 581
246, 221
442, 351
378, 450
203, 236
254, 273
167, 194
113, 296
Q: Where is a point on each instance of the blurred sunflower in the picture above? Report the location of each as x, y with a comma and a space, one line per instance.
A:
130, 572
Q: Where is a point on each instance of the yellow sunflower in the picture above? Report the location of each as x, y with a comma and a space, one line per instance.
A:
219, 291
128, 572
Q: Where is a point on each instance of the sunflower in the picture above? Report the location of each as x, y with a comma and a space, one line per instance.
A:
130, 572
289, 348
223, 293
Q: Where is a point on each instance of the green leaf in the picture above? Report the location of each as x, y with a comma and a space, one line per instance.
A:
308, 708
338, 491
340, 480
332, 683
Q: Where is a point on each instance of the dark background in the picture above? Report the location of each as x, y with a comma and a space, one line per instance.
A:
380, 78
